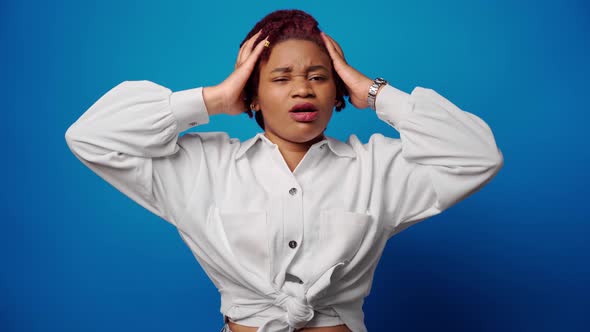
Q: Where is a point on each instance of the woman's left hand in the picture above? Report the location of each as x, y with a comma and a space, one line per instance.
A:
357, 84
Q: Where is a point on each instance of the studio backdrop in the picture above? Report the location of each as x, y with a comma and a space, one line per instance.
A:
77, 255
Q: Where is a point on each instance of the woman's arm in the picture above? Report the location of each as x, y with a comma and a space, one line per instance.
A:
130, 138
444, 154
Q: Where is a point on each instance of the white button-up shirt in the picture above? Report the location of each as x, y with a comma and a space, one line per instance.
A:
286, 249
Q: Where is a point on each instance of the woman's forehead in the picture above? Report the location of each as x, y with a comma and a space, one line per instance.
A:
297, 55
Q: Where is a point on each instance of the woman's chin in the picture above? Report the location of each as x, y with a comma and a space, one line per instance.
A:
311, 137
301, 133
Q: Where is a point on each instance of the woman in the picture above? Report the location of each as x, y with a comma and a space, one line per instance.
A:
290, 224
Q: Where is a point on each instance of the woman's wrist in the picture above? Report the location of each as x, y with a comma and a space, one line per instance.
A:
374, 89
214, 100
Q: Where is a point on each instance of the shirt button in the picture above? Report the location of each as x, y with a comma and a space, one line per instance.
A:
323, 146
192, 124
293, 191
292, 244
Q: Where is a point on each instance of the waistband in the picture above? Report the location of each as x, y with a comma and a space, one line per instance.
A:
321, 317
277, 312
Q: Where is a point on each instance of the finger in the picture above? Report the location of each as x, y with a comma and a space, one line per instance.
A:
336, 46
239, 56
328, 45
255, 54
248, 46
245, 69
334, 54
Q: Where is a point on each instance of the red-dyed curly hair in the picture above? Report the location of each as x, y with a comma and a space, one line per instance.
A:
279, 26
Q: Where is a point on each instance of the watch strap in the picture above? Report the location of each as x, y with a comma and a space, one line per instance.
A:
373, 89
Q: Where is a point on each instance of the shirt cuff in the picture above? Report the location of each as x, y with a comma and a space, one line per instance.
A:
188, 107
392, 105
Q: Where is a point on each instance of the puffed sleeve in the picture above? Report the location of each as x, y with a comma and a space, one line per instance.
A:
130, 138
444, 154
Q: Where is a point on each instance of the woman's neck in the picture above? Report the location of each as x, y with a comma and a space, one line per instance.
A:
292, 152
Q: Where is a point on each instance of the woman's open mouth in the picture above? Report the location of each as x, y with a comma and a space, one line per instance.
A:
304, 112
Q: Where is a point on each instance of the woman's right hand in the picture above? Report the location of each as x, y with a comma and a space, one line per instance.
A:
226, 97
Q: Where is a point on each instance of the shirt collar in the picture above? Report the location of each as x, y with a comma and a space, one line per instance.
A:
339, 148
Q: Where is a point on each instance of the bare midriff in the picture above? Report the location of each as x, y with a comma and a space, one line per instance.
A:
338, 328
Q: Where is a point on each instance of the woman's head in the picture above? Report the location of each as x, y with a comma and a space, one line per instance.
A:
295, 69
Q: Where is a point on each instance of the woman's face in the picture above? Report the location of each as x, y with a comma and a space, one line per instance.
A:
296, 92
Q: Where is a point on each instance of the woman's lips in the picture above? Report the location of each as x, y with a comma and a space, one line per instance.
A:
304, 116
304, 112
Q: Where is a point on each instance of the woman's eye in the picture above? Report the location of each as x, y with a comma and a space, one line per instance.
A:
317, 78
279, 79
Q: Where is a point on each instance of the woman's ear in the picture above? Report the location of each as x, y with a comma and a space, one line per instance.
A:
254, 106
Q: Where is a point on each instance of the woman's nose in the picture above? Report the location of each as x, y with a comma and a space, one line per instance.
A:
302, 88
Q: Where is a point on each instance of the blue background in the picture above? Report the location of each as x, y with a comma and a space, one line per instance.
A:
76, 255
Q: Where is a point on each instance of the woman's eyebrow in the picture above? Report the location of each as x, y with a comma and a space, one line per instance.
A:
290, 69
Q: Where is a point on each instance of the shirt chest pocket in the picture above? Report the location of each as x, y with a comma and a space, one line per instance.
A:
248, 239
341, 234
